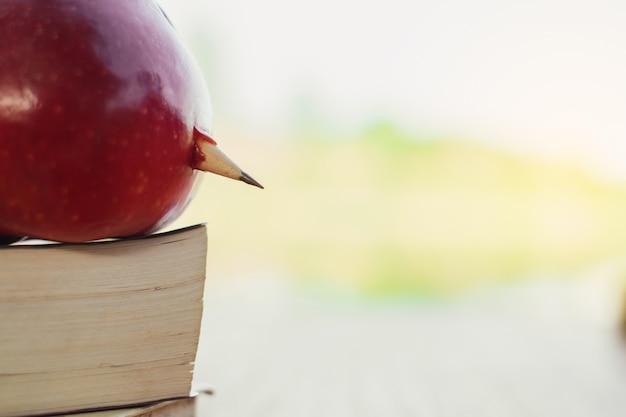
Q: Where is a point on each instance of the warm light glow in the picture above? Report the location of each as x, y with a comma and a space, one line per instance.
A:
16, 103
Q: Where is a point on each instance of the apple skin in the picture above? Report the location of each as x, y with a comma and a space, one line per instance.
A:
99, 102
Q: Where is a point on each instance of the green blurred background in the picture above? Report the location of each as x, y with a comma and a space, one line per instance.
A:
412, 149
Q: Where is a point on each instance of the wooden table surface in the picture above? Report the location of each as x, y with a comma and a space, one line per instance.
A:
550, 348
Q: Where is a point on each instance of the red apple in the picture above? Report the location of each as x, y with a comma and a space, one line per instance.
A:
104, 120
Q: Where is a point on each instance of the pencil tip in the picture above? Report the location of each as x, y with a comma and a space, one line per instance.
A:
249, 180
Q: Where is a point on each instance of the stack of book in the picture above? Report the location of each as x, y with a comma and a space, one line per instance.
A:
111, 325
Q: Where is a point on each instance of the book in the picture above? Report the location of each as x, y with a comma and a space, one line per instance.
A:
192, 406
100, 324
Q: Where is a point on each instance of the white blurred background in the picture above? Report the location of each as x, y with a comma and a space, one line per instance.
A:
545, 76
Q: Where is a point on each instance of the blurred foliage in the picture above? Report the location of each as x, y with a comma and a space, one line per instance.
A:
390, 213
